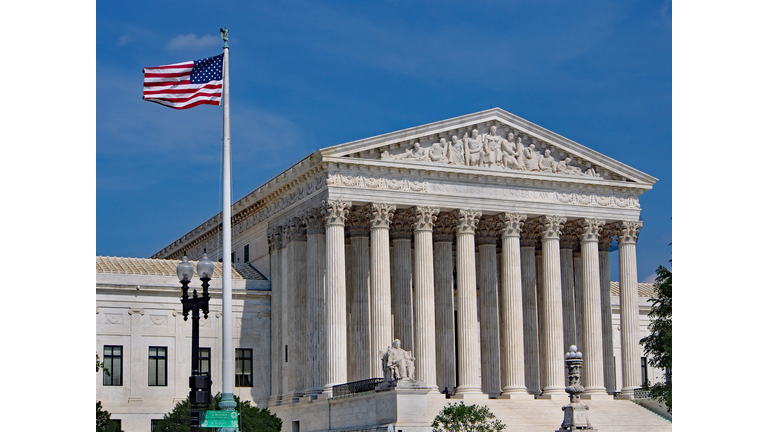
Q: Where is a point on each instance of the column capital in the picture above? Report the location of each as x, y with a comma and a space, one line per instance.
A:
295, 230
530, 233
444, 228
380, 214
628, 231
402, 225
357, 222
551, 226
590, 229
569, 238
466, 220
607, 235
487, 230
424, 218
275, 238
314, 221
512, 224
335, 212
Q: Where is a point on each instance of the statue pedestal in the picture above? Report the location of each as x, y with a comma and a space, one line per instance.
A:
575, 418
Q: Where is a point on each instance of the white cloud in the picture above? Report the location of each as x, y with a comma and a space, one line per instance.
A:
124, 39
651, 278
192, 41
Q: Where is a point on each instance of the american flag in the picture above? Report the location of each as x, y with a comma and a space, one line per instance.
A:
185, 85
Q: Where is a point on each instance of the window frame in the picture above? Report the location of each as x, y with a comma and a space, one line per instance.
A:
156, 359
201, 359
108, 361
243, 378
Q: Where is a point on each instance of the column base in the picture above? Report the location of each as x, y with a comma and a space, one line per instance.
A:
274, 401
627, 393
471, 397
598, 394
554, 393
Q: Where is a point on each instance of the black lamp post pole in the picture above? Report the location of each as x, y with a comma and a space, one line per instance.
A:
199, 384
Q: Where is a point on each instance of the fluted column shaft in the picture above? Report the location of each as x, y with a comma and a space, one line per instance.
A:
335, 295
578, 297
592, 332
630, 312
286, 301
424, 297
444, 317
552, 301
468, 342
402, 290
297, 325
360, 317
489, 318
609, 370
275, 321
569, 303
380, 216
315, 301
530, 318
511, 305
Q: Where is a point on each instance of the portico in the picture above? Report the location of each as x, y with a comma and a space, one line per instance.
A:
430, 235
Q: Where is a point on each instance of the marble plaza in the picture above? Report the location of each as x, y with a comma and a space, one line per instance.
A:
480, 242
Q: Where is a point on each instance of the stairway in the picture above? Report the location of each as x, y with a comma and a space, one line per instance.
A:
605, 416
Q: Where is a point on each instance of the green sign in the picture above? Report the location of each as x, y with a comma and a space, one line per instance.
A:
220, 419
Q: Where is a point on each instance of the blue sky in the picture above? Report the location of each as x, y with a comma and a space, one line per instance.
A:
307, 75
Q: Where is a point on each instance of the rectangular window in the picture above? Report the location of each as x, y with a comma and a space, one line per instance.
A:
158, 366
204, 357
243, 367
644, 370
246, 254
113, 365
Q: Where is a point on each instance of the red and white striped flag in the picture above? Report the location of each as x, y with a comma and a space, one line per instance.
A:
185, 85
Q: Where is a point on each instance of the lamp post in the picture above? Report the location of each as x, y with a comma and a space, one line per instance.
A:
199, 384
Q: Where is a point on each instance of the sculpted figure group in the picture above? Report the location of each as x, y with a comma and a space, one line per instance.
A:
490, 150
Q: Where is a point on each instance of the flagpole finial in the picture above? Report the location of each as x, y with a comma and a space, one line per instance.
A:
225, 36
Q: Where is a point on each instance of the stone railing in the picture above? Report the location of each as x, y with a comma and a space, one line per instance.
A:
356, 387
642, 394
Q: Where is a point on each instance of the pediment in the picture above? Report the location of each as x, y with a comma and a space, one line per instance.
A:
492, 140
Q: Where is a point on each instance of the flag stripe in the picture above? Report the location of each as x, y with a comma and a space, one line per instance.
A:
185, 85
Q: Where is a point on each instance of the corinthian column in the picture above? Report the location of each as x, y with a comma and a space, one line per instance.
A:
630, 312
592, 332
530, 315
488, 286
578, 296
552, 302
360, 323
423, 296
274, 236
511, 303
297, 324
469, 345
445, 225
604, 245
314, 221
286, 301
402, 278
335, 296
380, 216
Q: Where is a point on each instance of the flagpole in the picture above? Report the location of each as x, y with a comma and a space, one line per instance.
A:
227, 367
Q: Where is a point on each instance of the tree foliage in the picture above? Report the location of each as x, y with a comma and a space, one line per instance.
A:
103, 421
466, 418
252, 419
658, 345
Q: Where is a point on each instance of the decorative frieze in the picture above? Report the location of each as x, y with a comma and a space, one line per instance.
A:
371, 182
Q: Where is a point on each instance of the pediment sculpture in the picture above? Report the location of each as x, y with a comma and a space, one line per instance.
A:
490, 150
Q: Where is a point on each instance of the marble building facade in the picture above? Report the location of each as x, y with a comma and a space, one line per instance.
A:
481, 242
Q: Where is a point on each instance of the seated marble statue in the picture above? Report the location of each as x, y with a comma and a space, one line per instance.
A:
398, 363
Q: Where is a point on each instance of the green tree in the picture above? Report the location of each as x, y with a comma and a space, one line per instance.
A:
466, 418
103, 422
252, 419
658, 344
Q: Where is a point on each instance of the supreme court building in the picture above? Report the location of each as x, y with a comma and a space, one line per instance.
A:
480, 242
